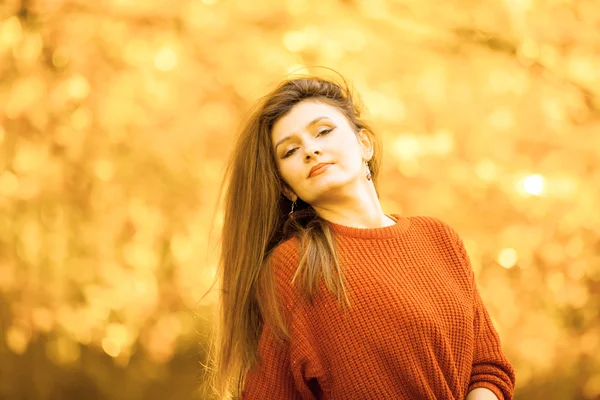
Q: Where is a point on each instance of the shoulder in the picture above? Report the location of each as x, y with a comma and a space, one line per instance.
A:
286, 252
441, 234
427, 222
433, 226
283, 262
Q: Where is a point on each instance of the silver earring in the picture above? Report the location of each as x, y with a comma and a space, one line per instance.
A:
368, 171
292, 211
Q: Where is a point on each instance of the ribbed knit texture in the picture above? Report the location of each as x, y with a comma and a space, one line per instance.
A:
416, 328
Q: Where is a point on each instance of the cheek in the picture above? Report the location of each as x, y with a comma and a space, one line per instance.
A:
351, 156
349, 147
352, 165
291, 172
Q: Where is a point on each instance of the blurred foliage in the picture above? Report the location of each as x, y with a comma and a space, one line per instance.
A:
116, 118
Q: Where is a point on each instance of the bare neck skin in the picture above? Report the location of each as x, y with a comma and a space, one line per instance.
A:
359, 209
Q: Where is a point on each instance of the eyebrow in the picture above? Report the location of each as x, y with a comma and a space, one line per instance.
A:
311, 123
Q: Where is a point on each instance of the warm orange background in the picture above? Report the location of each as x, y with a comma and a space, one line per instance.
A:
117, 116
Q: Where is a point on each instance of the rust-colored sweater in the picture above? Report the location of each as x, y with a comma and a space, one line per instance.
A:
416, 328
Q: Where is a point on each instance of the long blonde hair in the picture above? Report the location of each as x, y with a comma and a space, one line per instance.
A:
256, 221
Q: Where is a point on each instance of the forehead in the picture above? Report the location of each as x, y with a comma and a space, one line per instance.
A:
301, 114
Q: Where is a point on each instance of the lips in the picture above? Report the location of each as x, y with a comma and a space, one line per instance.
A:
319, 168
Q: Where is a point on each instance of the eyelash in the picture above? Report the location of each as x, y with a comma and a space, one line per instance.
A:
321, 133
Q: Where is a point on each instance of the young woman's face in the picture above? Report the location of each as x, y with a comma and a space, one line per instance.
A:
313, 133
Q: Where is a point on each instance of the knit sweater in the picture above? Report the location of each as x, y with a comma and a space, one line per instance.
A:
416, 327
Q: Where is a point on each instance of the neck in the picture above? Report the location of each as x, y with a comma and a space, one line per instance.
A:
357, 211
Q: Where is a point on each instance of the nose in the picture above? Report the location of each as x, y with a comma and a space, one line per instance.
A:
312, 152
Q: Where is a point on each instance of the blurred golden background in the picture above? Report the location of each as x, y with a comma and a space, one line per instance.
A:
117, 117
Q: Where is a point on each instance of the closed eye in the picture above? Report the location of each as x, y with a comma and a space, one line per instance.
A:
322, 132
289, 153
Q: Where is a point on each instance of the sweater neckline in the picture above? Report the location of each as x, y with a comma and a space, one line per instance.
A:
397, 229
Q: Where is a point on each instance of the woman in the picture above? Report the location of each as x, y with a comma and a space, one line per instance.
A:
324, 296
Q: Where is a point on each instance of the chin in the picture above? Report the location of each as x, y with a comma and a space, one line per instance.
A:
328, 187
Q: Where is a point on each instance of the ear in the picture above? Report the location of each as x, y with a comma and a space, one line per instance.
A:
289, 193
366, 144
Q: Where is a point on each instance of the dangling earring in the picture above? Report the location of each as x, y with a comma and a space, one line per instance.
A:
292, 211
368, 171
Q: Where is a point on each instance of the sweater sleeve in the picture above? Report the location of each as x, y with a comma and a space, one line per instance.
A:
272, 377
278, 374
490, 368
